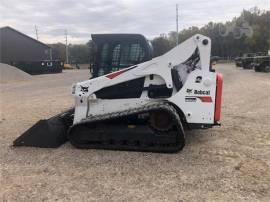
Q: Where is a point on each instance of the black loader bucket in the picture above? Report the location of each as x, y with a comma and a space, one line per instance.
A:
49, 133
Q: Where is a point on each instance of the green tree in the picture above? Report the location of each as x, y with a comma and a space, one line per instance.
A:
79, 54
161, 45
231, 43
58, 51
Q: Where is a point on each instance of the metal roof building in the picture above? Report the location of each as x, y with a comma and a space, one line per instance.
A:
16, 46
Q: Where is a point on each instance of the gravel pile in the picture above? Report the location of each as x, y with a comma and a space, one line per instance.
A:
12, 74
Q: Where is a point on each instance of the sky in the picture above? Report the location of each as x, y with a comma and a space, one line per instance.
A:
81, 18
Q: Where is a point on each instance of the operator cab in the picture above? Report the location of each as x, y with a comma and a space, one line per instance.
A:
114, 52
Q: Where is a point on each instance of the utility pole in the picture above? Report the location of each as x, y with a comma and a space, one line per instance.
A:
176, 24
50, 53
66, 47
36, 29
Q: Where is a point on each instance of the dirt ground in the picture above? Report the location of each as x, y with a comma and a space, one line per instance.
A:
230, 163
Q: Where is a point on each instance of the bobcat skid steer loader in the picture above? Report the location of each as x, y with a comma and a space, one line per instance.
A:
145, 107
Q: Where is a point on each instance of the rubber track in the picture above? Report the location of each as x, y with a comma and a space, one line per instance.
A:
178, 139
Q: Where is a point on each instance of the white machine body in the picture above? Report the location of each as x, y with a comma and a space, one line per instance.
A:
196, 99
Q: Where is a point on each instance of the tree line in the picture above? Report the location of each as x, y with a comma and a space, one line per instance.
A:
78, 53
249, 32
